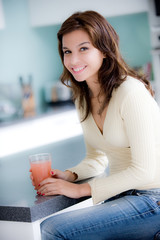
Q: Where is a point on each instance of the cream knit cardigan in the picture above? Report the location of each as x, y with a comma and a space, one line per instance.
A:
130, 144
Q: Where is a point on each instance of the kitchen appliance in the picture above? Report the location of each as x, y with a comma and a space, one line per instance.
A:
154, 20
10, 102
7, 109
157, 7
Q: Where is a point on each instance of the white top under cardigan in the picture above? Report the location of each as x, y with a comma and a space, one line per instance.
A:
130, 143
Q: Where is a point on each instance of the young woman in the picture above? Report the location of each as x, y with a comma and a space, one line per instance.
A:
121, 126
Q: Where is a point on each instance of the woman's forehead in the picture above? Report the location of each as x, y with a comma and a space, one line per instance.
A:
75, 37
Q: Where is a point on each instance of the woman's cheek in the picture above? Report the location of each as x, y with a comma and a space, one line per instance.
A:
65, 62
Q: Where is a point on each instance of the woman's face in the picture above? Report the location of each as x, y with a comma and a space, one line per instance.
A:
81, 58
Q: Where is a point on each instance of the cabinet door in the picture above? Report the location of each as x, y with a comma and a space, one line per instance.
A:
2, 24
50, 12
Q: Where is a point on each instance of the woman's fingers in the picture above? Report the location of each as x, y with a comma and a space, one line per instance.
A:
53, 185
47, 180
49, 190
56, 173
49, 186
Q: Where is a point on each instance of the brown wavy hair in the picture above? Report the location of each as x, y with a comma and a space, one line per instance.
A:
114, 69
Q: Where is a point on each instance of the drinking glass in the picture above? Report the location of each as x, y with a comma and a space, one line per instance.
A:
40, 166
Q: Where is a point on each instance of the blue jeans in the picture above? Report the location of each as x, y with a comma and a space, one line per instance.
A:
132, 215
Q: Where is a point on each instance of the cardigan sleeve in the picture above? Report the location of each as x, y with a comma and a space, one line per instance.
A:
92, 165
136, 112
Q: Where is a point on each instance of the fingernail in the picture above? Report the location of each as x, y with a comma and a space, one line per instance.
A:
37, 192
38, 185
43, 194
52, 172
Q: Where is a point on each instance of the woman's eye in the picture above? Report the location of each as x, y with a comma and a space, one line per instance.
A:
67, 52
83, 49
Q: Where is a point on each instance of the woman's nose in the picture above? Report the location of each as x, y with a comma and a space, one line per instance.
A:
74, 59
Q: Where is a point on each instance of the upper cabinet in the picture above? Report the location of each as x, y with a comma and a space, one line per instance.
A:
2, 24
154, 20
50, 12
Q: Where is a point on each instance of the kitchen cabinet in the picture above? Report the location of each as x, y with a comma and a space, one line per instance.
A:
50, 12
2, 24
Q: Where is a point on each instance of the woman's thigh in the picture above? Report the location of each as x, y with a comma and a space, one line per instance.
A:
126, 218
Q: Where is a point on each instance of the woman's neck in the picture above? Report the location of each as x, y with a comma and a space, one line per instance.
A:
94, 88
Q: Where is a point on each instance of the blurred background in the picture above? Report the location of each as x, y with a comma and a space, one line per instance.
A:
30, 66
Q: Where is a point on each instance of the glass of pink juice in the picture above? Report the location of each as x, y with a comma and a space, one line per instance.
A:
40, 166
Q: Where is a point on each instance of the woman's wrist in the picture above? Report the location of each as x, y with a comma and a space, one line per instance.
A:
70, 176
85, 190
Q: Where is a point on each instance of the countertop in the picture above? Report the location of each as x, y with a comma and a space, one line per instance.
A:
18, 199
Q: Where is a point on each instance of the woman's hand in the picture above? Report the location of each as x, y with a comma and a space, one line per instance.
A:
53, 186
55, 173
66, 175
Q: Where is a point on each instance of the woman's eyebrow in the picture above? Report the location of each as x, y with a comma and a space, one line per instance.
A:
83, 43
78, 45
64, 48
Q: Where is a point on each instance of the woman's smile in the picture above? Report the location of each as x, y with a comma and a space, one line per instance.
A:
77, 70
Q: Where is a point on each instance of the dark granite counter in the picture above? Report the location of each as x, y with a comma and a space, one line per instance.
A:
42, 207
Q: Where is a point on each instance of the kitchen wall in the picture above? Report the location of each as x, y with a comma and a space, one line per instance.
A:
26, 50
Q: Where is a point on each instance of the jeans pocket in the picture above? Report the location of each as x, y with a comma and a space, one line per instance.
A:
152, 196
155, 203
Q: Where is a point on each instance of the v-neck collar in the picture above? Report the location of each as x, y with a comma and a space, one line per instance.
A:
96, 126
106, 117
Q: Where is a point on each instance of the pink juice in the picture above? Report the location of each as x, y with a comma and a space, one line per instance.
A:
40, 170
